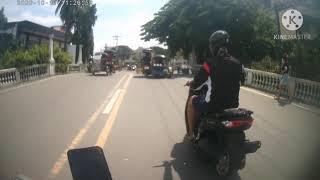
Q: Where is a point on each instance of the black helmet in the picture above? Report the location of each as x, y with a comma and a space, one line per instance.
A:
218, 39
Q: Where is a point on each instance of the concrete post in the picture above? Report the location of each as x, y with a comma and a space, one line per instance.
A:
51, 60
18, 76
291, 86
80, 55
249, 78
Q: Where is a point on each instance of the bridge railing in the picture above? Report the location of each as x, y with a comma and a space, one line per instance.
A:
13, 76
300, 89
9, 77
34, 72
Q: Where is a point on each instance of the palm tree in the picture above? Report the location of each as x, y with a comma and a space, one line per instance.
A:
80, 19
68, 17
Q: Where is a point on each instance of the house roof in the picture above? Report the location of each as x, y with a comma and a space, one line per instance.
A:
37, 29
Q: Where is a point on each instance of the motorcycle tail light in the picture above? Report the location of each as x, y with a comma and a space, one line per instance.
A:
234, 124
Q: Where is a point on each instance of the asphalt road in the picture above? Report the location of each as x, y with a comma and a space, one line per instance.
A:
139, 123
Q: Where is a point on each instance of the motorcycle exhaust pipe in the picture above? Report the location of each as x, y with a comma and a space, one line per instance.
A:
251, 147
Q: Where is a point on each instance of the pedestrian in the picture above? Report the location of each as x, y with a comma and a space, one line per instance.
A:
284, 80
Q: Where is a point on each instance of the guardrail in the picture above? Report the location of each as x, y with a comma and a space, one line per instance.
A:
34, 72
9, 77
299, 89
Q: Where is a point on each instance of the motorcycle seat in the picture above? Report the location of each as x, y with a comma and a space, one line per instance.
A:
239, 113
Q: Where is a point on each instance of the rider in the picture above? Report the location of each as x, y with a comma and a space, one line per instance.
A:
218, 80
109, 61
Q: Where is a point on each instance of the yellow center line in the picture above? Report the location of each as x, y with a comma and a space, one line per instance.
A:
59, 164
104, 134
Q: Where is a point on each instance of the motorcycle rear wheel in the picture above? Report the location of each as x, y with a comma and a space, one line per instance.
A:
223, 165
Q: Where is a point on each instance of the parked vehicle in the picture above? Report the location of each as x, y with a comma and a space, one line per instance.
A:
221, 136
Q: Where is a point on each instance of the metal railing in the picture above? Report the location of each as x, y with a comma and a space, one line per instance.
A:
13, 76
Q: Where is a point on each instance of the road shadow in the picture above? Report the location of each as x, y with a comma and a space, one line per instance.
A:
153, 77
99, 75
189, 166
149, 77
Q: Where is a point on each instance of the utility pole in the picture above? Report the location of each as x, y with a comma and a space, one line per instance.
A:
116, 38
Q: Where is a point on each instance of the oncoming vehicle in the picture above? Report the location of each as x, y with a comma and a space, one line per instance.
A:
101, 62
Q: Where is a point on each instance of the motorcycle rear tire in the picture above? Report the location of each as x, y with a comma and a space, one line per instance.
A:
230, 169
186, 115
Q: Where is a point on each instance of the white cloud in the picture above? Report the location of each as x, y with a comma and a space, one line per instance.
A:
43, 20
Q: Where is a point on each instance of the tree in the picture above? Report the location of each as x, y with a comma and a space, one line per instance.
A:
3, 18
187, 25
81, 19
159, 50
7, 41
124, 52
68, 17
83, 32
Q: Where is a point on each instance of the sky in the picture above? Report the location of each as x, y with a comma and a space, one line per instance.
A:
115, 17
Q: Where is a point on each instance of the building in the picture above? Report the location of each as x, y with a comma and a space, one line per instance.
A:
29, 34
59, 28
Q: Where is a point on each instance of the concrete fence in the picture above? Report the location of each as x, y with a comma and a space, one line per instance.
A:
300, 89
9, 77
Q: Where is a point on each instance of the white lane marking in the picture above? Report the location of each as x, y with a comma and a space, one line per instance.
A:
104, 134
272, 97
117, 86
61, 161
112, 101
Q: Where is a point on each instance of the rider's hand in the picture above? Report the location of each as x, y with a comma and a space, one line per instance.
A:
188, 83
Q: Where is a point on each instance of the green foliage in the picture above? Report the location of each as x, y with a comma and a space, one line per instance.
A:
266, 64
305, 59
62, 60
21, 58
124, 52
187, 25
3, 18
81, 19
159, 50
7, 43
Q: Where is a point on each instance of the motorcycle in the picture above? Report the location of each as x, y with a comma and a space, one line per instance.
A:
221, 136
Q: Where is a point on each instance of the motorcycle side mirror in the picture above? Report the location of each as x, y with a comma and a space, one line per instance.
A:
88, 163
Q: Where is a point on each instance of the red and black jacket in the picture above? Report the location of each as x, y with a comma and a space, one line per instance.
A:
220, 83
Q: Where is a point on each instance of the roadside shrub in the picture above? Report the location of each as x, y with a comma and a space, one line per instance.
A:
21, 58
40, 54
266, 64
62, 60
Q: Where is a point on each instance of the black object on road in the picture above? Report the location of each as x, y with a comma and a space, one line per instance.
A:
88, 164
